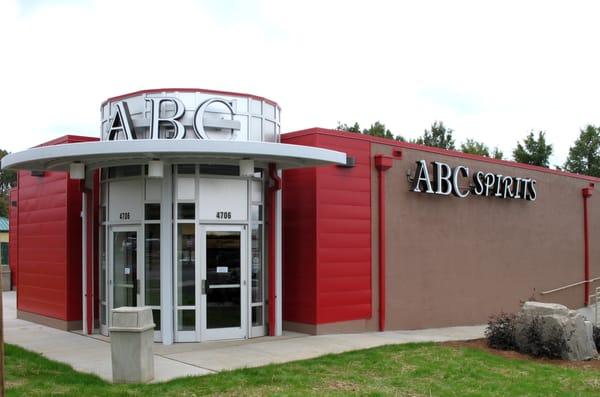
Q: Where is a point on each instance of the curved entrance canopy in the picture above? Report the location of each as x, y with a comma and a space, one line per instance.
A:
111, 153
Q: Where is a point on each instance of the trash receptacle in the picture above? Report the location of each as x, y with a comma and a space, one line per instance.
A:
131, 340
5, 278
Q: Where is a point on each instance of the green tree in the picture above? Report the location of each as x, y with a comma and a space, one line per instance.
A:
437, 136
345, 127
497, 154
584, 155
8, 179
377, 129
533, 151
472, 146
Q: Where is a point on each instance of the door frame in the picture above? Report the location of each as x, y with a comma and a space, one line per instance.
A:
111, 267
206, 334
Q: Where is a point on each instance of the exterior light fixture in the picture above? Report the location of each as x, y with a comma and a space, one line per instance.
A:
155, 169
77, 171
246, 167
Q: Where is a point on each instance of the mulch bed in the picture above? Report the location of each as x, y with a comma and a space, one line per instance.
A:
482, 345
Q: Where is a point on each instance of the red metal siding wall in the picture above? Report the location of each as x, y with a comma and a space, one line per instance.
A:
49, 242
343, 222
327, 236
42, 249
299, 242
13, 257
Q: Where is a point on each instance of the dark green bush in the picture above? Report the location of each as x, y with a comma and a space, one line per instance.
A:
500, 331
552, 345
597, 337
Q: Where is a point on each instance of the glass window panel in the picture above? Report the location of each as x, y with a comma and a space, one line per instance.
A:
186, 320
186, 211
152, 212
124, 171
256, 212
152, 265
220, 169
103, 314
269, 131
257, 265
125, 269
257, 191
186, 264
256, 129
257, 316
156, 318
223, 272
102, 254
269, 111
186, 169
255, 106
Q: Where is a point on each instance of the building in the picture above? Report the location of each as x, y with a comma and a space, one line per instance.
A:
194, 204
4, 238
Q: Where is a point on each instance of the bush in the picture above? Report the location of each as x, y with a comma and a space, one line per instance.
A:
552, 345
500, 331
597, 337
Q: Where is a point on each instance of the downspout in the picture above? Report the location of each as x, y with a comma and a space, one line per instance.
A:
382, 163
274, 186
586, 192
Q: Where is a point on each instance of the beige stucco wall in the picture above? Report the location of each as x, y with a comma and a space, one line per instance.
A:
453, 261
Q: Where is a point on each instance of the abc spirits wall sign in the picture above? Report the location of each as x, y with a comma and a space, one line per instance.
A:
458, 182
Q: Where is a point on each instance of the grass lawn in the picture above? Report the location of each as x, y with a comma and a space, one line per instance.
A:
403, 370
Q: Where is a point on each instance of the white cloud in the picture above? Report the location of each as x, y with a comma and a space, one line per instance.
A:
490, 70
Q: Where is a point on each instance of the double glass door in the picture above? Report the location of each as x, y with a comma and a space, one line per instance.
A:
216, 281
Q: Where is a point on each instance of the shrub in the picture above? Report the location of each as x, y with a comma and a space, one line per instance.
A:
500, 331
551, 345
597, 337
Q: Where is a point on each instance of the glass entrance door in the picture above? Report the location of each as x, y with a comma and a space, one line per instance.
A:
125, 285
223, 282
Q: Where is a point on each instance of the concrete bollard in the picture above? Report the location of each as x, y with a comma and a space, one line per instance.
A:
131, 340
5, 278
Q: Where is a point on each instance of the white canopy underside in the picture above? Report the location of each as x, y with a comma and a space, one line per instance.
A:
113, 153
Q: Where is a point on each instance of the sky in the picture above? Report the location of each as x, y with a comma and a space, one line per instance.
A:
490, 70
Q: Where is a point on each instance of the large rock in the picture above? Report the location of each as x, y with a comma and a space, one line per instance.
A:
571, 326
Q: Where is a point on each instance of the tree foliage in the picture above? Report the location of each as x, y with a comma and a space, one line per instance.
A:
8, 179
533, 151
437, 136
479, 148
497, 154
377, 129
472, 146
584, 155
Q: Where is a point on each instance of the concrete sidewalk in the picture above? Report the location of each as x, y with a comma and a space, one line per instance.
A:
92, 354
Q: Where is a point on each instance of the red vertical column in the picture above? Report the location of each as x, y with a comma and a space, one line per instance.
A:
382, 163
586, 193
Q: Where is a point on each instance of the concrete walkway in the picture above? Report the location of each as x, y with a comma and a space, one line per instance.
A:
92, 354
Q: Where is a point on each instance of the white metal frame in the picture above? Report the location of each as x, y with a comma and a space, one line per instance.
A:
139, 263
221, 333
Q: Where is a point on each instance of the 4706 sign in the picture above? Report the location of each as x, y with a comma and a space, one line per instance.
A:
458, 182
